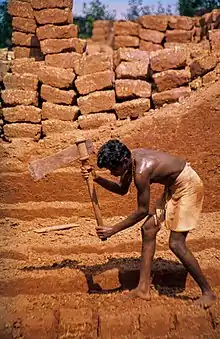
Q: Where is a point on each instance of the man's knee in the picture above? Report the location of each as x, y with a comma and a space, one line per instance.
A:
177, 242
149, 229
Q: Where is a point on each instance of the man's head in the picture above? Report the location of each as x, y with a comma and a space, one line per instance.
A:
114, 156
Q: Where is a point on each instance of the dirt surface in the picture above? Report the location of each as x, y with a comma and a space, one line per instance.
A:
68, 284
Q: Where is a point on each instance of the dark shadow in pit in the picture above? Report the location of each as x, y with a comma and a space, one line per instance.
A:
168, 277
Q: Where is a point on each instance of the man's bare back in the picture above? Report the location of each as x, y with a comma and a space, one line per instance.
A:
164, 168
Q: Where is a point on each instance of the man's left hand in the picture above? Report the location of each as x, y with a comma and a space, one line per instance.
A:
104, 232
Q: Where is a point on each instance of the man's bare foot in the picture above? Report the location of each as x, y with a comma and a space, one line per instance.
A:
136, 293
206, 300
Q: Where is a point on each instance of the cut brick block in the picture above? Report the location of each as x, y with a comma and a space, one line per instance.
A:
149, 46
133, 108
26, 65
125, 41
62, 60
102, 23
134, 69
54, 16
132, 88
58, 126
107, 322
57, 32
130, 54
210, 77
102, 31
77, 323
99, 38
19, 97
167, 97
57, 96
20, 9
50, 46
21, 81
108, 280
93, 63
56, 77
180, 22
168, 59
214, 36
151, 35
156, 22
203, 65
60, 112
4, 67
96, 120
178, 35
24, 25
192, 322
97, 102
22, 130
28, 52
24, 39
43, 324
22, 114
171, 79
42, 4
94, 82
159, 327
126, 28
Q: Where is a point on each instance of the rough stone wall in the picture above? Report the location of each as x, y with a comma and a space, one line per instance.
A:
63, 84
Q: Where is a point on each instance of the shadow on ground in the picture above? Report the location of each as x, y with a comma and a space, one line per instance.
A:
168, 277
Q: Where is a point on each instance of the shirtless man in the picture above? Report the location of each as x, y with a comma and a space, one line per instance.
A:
178, 208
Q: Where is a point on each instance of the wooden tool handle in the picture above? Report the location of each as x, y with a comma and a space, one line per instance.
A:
84, 158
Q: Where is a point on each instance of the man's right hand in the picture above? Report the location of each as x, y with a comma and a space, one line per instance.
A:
86, 170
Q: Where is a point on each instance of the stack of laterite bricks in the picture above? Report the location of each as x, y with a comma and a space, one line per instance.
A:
170, 74
61, 47
180, 29
102, 31
126, 34
22, 116
152, 31
24, 26
94, 83
132, 87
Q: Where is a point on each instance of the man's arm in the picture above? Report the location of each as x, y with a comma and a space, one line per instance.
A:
143, 189
114, 187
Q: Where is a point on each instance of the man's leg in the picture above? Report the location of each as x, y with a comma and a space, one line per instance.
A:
149, 232
177, 244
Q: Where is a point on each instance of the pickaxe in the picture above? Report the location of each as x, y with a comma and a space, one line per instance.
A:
80, 150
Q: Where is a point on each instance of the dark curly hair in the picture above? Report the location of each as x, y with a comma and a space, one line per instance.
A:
112, 154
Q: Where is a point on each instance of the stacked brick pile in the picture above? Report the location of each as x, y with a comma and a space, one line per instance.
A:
22, 116
94, 83
41, 93
4, 67
152, 31
180, 29
170, 74
102, 31
126, 34
132, 87
61, 47
25, 41
214, 31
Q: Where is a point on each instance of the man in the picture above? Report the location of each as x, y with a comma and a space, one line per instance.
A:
179, 207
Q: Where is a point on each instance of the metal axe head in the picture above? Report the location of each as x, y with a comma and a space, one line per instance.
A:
39, 168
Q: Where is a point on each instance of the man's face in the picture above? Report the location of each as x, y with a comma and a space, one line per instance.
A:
118, 171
